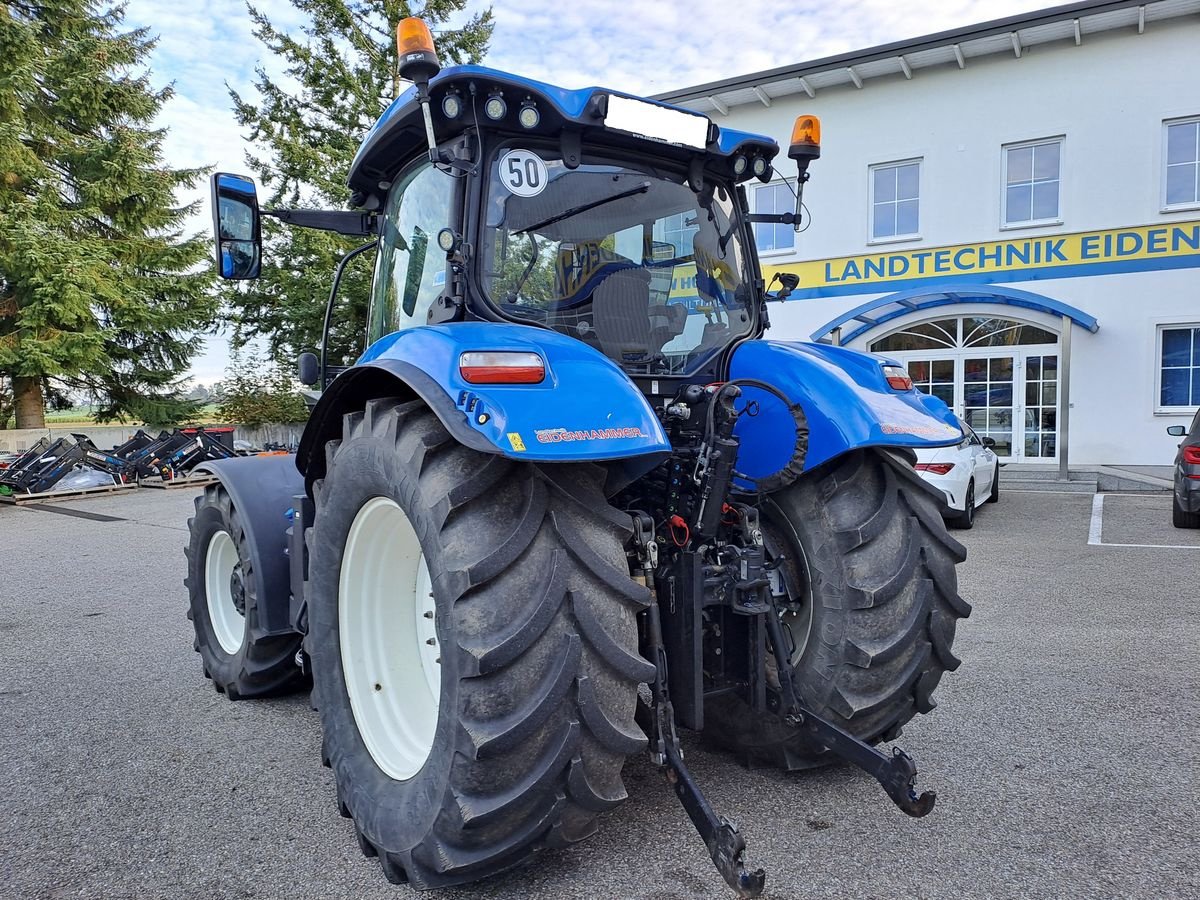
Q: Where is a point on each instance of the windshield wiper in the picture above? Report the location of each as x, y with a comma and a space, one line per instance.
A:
584, 207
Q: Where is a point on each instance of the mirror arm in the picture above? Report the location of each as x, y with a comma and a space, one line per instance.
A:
342, 221
785, 218
337, 280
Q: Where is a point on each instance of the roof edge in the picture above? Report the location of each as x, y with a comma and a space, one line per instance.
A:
888, 51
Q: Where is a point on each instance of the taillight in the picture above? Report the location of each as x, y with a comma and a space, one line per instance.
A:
501, 367
897, 378
1191, 455
935, 468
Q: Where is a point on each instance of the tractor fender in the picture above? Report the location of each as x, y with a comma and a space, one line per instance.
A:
262, 489
585, 410
845, 398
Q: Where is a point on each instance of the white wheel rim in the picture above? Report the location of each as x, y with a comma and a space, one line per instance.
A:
220, 562
391, 658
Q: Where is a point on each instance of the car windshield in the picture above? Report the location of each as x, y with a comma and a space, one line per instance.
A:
624, 257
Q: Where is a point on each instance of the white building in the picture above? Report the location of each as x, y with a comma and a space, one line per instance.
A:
1013, 209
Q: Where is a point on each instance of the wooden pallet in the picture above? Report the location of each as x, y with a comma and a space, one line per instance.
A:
81, 494
192, 481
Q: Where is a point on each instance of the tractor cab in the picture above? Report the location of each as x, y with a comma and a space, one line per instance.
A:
615, 221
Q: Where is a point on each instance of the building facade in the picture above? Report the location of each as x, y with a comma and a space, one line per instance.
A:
1013, 210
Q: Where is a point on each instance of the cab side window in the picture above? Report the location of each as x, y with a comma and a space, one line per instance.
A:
410, 272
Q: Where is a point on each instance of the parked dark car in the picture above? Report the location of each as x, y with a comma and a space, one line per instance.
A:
1185, 511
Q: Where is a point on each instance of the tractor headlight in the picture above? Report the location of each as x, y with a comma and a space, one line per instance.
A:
495, 108
529, 116
739, 165
451, 106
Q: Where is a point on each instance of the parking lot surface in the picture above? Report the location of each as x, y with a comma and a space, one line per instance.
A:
1062, 750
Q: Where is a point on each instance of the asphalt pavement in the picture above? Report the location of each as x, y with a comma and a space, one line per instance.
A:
1062, 751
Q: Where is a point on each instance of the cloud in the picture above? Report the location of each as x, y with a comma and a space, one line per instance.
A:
641, 48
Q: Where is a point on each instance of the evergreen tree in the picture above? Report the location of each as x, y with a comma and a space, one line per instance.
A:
98, 288
345, 68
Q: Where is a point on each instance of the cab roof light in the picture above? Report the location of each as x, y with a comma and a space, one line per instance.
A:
501, 367
806, 138
897, 378
413, 36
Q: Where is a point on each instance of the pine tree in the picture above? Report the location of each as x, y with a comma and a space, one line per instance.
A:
345, 65
98, 284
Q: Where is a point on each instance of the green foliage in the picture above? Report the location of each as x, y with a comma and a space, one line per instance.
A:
258, 393
100, 291
344, 64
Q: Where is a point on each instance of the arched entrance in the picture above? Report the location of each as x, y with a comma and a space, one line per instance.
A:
1000, 375
999, 357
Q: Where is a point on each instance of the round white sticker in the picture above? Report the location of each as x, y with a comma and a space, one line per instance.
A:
523, 173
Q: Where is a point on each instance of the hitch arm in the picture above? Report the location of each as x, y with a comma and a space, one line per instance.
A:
722, 838
895, 773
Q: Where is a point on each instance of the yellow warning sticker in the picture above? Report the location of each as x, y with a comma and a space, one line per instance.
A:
515, 440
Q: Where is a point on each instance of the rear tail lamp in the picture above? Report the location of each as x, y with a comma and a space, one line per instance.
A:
1191, 455
935, 468
501, 367
897, 378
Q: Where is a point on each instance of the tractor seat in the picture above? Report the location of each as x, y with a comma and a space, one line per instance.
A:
627, 326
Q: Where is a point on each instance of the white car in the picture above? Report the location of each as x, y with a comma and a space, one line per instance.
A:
968, 474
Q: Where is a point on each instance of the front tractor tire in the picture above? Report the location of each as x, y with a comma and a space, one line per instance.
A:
473, 641
237, 653
870, 567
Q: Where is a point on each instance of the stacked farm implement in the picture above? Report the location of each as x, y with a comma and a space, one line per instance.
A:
75, 465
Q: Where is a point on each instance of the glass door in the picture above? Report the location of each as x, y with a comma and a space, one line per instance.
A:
988, 403
1041, 406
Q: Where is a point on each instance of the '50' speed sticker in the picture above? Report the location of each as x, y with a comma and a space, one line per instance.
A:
523, 173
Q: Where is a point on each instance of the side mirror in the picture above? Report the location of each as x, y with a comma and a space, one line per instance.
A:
236, 226
1176, 430
788, 281
988, 442
308, 368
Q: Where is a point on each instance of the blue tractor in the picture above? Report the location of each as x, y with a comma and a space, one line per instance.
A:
569, 501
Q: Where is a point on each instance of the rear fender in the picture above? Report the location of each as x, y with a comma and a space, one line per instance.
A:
262, 489
846, 400
586, 409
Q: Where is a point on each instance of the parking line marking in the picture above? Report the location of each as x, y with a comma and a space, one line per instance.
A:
1096, 528
1154, 546
1097, 523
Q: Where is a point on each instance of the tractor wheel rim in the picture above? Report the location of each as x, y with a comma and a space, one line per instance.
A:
799, 624
391, 657
220, 563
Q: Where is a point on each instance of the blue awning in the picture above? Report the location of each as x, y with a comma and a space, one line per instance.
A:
870, 315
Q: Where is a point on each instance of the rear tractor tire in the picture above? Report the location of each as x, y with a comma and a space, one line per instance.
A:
240, 658
871, 566
474, 642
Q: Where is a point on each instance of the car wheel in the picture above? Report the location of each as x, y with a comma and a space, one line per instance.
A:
1181, 518
966, 518
994, 496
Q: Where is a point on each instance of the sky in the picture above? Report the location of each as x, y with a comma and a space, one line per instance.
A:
647, 48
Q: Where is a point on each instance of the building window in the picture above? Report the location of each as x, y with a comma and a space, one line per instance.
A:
895, 200
774, 198
676, 231
1182, 186
1032, 181
1179, 367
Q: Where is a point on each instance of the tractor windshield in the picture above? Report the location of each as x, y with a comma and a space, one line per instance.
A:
624, 257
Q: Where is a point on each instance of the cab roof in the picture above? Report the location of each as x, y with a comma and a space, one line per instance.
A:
581, 114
